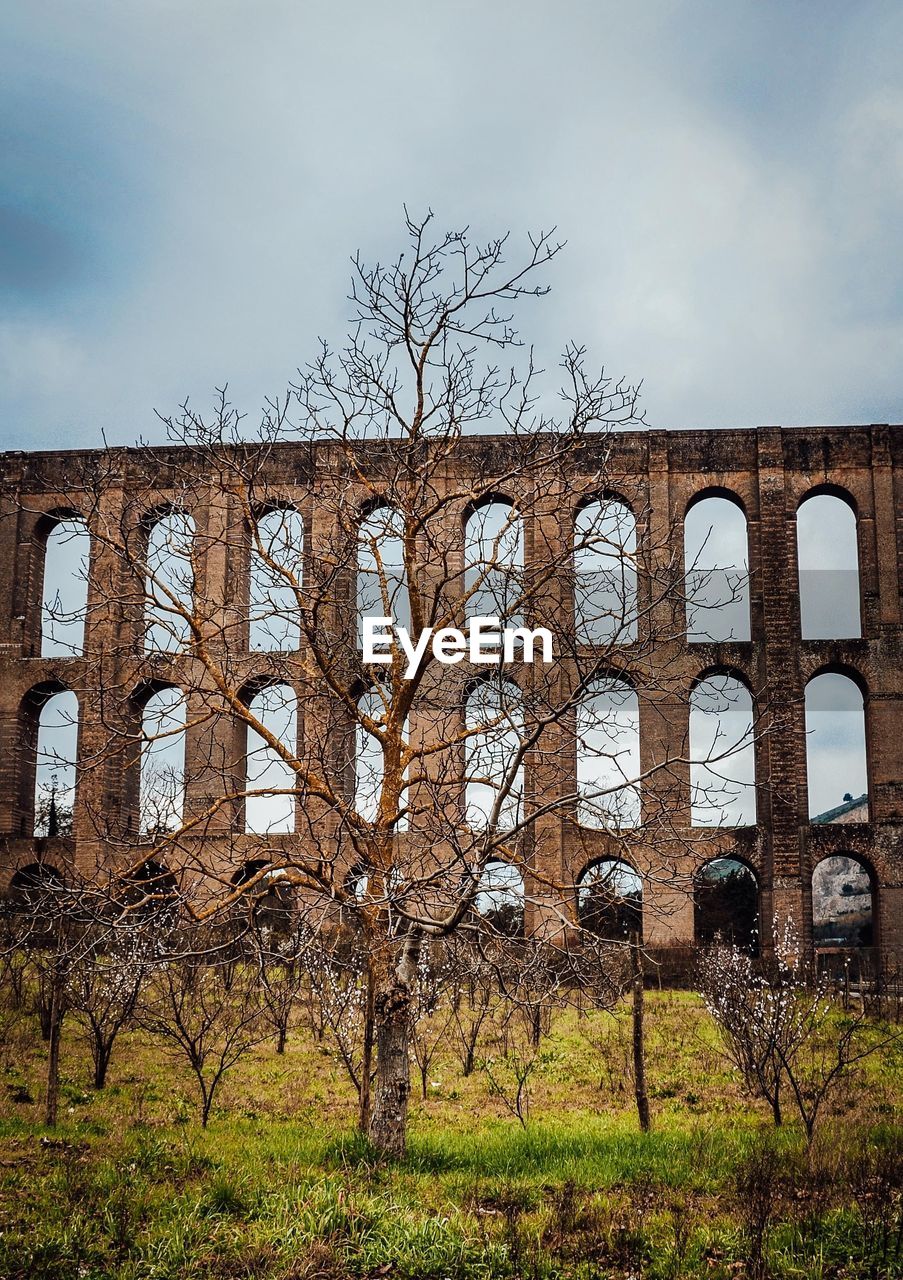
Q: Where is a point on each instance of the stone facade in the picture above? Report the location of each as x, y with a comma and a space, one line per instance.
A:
767, 471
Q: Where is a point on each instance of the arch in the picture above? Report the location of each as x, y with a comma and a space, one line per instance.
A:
369, 768
842, 903
32, 885
359, 880
716, 568
726, 904
162, 765
382, 588
494, 720
356, 882
64, 585
169, 582
722, 752
610, 899
151, 891
836, 753
715, 491
827, 548
605, 572
276, 574
608, 755
55, 760
499, 898
273, 893
269, 778
493, 559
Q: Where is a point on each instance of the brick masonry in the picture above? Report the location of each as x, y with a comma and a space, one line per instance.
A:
768, 471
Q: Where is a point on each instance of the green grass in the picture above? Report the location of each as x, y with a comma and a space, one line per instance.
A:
279, 1185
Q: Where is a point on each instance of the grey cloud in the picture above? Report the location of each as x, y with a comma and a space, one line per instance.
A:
730, 183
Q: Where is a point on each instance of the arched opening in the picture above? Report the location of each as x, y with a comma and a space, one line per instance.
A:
836, 761
270, 779
272, 894
608, 756
34, 888
357, 882
500, 898
716, 569
169, 585
64, 600
726, 905
36, 900
369, 761
150, 892
610, 900
55, 763
162, 780
382, 588
605, 574
494, 561
494, 720
828, 561
275, 578
722, 753
842, 904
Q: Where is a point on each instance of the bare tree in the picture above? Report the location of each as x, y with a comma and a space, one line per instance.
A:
781, 1029
281, 966
103, 984
476, 996
203, 1001
757, 1015
336, 975
433, 1010
43, 939
385, 768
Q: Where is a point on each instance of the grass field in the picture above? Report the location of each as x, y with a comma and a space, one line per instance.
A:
278, 1185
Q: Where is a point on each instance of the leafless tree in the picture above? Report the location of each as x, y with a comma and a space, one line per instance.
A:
433, 1012
12, 1001
43, 937
239, 568
103, 984
203, 1001
281, 966
336, 974
781, 1029
475, 999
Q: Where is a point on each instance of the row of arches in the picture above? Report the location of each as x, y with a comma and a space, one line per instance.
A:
722, 746
608, 762
716, 567
608, 893
609, 901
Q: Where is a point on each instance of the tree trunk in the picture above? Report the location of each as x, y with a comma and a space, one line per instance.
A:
776, 1108
53, 1053
281, 1039
639, 1046
45, 1015
367, 1055
102, 1055
393, 1011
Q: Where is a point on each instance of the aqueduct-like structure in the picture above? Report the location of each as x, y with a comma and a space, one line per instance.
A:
823, 600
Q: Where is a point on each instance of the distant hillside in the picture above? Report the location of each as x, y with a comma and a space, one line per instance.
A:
842, 902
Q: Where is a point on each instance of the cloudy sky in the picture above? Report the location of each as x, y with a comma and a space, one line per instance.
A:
182, 185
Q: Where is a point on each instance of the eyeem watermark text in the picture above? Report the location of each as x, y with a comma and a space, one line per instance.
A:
484, 641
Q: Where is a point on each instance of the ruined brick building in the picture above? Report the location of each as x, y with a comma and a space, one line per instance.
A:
766, 474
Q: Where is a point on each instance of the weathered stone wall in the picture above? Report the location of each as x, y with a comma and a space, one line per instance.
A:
769, 471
